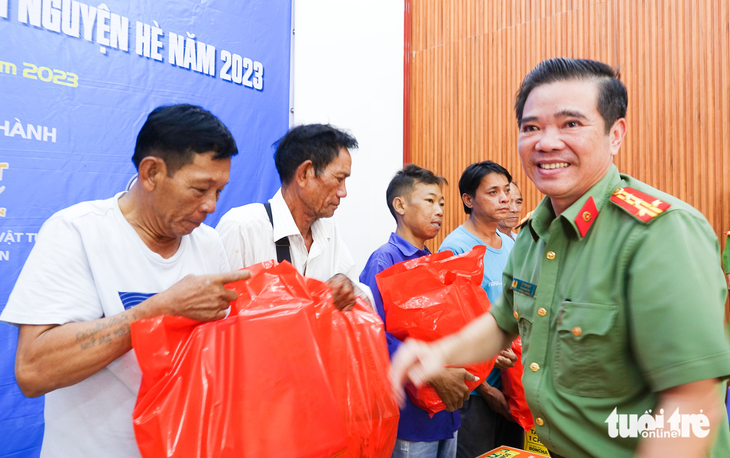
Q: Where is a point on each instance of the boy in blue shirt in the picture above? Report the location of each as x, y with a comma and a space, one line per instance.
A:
416, 202
485, 193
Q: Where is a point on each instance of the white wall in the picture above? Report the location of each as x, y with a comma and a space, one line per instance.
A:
348, 71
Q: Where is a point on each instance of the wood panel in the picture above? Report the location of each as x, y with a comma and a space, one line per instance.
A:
469, 56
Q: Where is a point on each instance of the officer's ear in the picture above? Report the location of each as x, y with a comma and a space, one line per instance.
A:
151, 170
617, 134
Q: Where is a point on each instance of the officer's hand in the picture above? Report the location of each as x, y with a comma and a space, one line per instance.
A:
505, 359
414, 360
451, 388
495, 400
202, 298
343, 292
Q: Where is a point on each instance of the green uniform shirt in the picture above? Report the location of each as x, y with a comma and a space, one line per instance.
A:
628, 310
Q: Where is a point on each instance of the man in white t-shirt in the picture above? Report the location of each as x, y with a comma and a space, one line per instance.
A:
98, 266
313, 163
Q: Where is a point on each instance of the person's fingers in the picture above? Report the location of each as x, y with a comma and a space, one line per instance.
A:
230, 277
403, 358
509, 354
349, 307
470, 377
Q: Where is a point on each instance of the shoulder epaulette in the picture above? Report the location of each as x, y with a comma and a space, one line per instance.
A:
641, 206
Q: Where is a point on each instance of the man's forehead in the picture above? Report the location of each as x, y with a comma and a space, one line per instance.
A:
204, 167
427, 189
494, 180
563, 98
342, 163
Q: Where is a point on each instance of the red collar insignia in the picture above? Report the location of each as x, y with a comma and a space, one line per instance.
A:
586, 215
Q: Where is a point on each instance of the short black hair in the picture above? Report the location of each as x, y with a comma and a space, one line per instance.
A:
175, 133
406, 179
319, 143
473, 175
612, 96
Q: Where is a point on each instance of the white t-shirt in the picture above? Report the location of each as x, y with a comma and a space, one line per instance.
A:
89, 263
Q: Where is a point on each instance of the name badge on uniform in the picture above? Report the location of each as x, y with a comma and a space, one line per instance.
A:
521, 286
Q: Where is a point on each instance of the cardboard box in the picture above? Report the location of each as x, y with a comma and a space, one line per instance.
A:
533, 444
509, 452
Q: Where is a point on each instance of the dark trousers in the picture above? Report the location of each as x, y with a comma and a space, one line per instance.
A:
483, 429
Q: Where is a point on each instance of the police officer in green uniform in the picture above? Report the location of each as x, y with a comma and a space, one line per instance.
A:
613, 287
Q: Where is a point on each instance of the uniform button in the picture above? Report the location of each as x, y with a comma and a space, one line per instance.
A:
541, 311
517, 315
577, 331
534, 367
539, 421
551, 255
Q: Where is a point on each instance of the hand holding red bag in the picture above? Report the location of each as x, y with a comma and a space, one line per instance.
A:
515, 392
286, 374
430, 297
352, 347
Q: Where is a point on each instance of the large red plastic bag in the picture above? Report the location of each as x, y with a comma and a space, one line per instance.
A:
352, 354
352, 348
238, 387
431, 297
515, 392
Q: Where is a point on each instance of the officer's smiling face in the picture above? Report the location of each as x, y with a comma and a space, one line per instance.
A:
563, 142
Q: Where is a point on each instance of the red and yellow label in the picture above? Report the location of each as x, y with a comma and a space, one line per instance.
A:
642, 206
533, 444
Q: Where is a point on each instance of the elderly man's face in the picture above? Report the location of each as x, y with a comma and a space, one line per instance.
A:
323, 192
563, 143
184, 200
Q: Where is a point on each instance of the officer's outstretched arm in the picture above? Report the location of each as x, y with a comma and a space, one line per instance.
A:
691, 398
418, 361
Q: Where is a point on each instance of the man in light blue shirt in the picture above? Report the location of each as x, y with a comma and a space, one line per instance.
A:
485, 192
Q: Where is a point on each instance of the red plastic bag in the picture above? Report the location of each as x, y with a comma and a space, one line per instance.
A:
352, 347
430, 297
288, 342
515, 392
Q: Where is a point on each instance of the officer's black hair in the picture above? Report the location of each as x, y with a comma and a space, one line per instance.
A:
612, 95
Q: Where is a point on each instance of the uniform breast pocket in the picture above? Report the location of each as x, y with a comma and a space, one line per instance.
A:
590, 348
525, 309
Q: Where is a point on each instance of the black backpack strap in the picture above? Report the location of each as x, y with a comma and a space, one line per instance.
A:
283, 251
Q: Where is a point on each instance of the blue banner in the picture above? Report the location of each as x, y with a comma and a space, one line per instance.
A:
76, 84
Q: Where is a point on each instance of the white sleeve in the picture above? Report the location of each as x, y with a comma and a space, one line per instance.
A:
223, 261
56, 285
346, 265
231, 236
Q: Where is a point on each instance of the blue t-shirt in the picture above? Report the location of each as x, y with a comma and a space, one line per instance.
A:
495, 260
415, 424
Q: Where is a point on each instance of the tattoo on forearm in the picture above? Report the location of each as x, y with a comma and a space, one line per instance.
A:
102, 332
